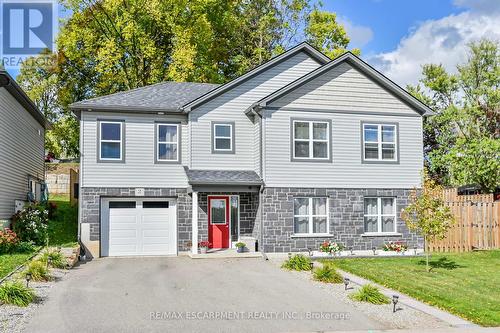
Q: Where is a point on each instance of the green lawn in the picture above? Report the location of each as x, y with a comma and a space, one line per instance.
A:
10, 261
465, 284
63, 227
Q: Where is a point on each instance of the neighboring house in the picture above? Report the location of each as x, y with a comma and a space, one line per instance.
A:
22, 133
299, 150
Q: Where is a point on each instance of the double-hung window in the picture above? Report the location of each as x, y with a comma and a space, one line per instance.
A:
380, 215
223, 137
310, 215
380, 142
311, 140
167, 142
111, 141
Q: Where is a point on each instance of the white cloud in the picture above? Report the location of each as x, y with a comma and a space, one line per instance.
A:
440, 41
359, 35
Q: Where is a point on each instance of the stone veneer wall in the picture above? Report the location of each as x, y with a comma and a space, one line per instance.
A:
91, 202
249, 203
346, 209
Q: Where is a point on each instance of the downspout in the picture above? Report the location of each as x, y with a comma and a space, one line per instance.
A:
261, 170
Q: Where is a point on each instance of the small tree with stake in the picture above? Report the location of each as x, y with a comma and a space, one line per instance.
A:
428, 214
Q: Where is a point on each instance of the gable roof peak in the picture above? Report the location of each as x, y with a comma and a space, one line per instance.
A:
364, 68
315, 54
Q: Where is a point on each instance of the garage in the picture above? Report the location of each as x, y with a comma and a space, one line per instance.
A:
138, 227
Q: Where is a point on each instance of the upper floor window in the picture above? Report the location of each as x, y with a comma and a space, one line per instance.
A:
311, 140
380, 215
167, 142
111, 141
380, 142
223, 137
310, 215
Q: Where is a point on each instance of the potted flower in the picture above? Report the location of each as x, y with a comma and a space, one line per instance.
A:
331, 247
204, 245
240, 247
398, 247
325, 247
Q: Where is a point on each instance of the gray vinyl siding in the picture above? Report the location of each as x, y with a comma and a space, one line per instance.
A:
346, 169
139, 169
230, 106
21, 152
343, 88
257, 146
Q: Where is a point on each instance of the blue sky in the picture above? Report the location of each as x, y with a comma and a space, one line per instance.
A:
388, 20
399, 36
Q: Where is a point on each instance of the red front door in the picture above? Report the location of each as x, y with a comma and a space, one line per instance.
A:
218, 221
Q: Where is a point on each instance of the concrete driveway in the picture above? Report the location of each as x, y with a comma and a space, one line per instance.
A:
186, 295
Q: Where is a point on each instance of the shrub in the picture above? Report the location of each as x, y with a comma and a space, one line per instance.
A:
57, 259
327, 273
298, 262
30, 224
369, 293
16, 293
52, 207
25, 247
38, 271
240, 244
8, 241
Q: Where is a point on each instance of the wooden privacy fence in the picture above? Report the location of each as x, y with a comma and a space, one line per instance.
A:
451, 195
477, 226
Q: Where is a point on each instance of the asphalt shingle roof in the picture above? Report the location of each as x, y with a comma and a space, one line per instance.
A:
236, 177
165, 96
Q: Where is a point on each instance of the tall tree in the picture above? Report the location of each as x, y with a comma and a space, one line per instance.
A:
463, 138
325, 33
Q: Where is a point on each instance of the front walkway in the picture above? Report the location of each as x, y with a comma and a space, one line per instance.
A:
179, 294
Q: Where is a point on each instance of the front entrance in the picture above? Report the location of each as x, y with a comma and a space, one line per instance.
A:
218, 221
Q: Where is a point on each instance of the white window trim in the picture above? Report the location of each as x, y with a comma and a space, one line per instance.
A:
101, 141
310, 216
311, 140
379, 142
158, 142
379, 216
230, 137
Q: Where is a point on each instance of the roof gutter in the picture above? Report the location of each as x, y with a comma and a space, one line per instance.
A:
7, 82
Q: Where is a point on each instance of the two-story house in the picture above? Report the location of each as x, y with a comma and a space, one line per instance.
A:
299, 150
22, 138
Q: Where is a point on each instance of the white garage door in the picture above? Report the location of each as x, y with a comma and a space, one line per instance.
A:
141, 227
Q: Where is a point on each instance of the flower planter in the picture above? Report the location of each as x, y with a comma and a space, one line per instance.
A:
240, 249
203, 250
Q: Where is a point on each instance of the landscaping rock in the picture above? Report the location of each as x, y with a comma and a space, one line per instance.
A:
13, 319
404, 317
